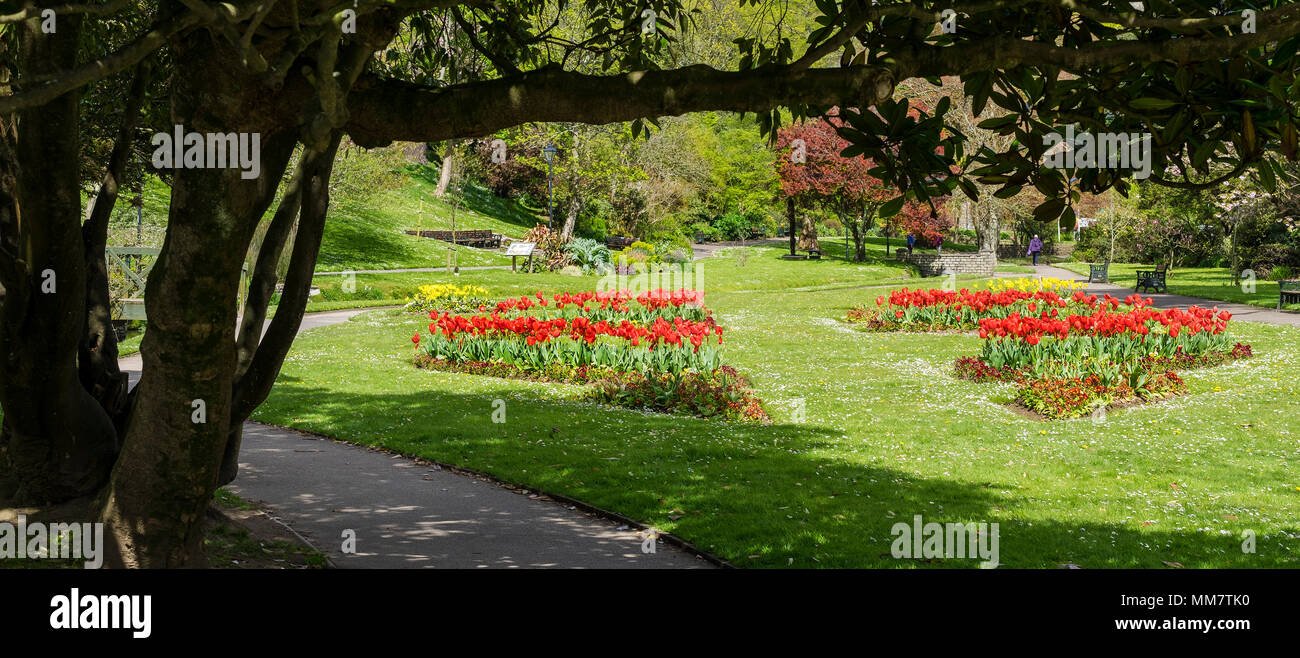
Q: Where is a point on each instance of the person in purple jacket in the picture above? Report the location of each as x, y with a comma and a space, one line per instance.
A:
1035, 248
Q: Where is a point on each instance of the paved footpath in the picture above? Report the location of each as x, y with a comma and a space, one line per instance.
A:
1240, 312
406, 514
405, 270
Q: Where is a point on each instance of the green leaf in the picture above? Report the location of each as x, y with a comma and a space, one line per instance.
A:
1157, 104
891, 207
997, 123
1049, 210
1008, 191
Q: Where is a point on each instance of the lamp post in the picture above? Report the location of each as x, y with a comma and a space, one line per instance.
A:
139, 206
549, 153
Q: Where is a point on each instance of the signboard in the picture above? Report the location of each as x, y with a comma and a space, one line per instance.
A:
521, 248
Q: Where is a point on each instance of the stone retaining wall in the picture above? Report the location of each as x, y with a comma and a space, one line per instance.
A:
982, 263
1062, 250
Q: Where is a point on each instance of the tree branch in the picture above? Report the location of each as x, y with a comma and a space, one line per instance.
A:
89, 72
97, 353
263, 280
383, 111
253, 387
503, 64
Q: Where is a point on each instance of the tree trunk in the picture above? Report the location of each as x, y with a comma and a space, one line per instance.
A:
448, 163
266, 353
794, 228
98, 352
570, 218
859, 240
808, 234
162, 483
988, 229
62, 445
858, 226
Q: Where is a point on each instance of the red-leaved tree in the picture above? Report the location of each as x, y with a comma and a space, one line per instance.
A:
814, 173
921, 221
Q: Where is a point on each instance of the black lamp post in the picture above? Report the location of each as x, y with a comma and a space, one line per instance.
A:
549, 153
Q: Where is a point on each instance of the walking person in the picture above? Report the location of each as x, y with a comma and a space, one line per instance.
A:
1035, 248
911, 243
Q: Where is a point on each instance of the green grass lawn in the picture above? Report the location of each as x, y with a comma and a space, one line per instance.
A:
370, 235
1208, 282
886, 433
759, 268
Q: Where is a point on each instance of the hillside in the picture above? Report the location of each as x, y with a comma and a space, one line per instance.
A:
369, 234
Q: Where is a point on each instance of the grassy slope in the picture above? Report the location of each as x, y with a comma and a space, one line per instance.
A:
888, 434
1208, 282
368, 234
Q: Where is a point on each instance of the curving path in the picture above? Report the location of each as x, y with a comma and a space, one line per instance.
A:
1240, 312
405, 513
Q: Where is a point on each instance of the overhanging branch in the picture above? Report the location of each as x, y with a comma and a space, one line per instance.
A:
384, 111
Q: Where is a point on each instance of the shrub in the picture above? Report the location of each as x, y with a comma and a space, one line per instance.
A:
639, 252
555, 254
589, 254
709, 233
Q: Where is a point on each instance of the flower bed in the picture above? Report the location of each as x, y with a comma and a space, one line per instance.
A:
1066, 355
658, 350
448, 297
720, 393
944, 310
1058, 398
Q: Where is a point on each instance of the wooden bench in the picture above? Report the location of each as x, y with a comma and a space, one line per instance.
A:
472, 238
619, 242
1152, 280
1288, 292
1099, 273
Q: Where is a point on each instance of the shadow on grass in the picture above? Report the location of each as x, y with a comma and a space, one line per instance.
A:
481, 200
353, 238
757, 496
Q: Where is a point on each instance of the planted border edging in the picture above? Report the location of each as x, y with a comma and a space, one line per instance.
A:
603, 385
981, 263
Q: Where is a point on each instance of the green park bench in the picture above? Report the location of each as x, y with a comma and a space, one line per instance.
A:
471, 238
1152, 280
1099, 273
1288, 292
